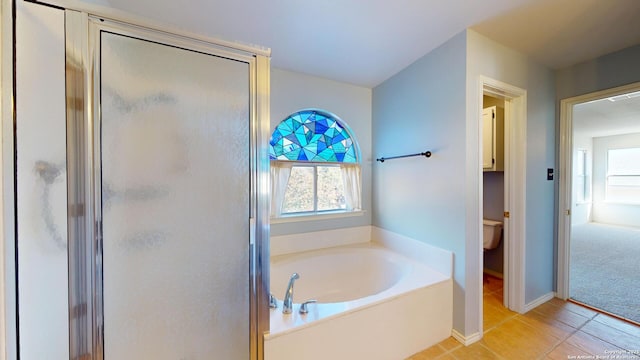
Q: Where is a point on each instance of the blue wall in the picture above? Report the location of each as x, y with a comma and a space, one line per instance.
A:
489, 58
423, 108
608, 71
426, 106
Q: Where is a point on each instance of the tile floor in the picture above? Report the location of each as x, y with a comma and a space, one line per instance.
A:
554, 330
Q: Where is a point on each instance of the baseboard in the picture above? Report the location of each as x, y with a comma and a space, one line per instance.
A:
466, 340
539, 301
493, 273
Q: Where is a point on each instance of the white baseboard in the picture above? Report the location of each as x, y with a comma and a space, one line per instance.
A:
539, 301
466, 340
493, 273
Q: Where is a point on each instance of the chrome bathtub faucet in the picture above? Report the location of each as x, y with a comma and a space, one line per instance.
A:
287, 304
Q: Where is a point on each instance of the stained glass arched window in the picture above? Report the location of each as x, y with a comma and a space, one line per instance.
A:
314, 165
312, 135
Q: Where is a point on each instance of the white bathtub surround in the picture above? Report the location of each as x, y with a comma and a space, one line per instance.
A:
295, 243
436, 258
374, 301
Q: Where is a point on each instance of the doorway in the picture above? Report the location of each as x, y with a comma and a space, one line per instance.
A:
493, 211
514, 173
493, 207
599, 196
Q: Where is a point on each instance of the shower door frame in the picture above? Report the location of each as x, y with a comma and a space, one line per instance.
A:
84, 174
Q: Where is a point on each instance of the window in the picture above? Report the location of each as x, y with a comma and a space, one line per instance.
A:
623, 175
582, 189
314, 165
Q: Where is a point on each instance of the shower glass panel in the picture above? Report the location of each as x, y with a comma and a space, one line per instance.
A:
41, 191
175, 189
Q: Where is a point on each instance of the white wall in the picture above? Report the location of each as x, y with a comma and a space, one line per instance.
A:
423, 108
291, 92
610, 212
491, 59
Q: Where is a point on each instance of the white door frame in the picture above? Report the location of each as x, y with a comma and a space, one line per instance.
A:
566, 178
515, 190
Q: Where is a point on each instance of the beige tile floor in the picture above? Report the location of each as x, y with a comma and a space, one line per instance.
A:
554, 330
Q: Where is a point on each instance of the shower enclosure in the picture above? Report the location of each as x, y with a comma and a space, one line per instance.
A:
165, 225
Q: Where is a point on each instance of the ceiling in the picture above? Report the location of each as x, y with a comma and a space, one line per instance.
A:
364, 42
611, 116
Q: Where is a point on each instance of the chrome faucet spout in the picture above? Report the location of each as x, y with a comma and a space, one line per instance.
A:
287, 305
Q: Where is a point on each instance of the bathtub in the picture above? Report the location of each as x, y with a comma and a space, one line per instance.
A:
373, 302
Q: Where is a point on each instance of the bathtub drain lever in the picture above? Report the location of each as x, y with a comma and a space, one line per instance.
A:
304, 308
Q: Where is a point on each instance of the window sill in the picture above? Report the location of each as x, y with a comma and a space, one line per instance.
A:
620, 202
315, 217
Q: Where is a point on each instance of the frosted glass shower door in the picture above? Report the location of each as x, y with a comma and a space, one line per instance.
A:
175, 189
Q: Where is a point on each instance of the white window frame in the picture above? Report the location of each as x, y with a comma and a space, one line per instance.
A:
315, 210
351, 178
322, 214
632, 196
583, 194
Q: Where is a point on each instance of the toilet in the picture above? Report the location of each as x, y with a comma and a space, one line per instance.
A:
492, 233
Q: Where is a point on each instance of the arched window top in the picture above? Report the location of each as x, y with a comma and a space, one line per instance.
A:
312, 135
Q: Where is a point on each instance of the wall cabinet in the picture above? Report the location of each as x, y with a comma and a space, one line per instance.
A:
493, 139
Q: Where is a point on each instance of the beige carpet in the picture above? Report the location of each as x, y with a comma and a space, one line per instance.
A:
605, 268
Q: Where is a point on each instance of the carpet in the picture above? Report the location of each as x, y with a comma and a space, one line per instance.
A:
605, 268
